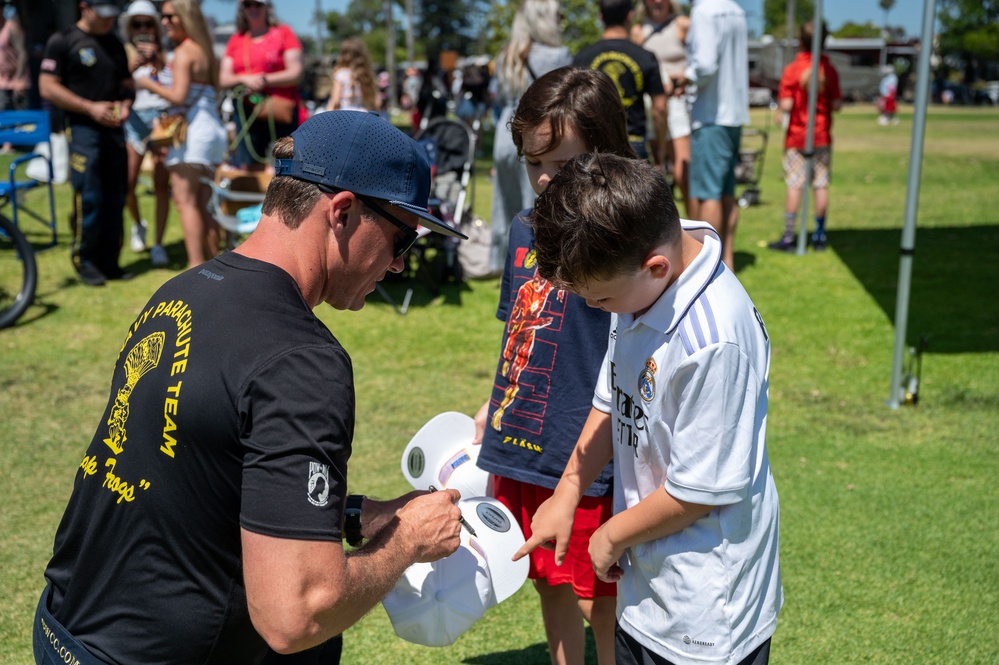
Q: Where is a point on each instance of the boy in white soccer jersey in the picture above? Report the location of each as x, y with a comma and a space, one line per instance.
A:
681, 406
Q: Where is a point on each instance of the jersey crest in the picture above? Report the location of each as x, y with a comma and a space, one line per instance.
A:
647, 381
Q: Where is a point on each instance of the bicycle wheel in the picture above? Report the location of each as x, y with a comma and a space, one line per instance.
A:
18, 273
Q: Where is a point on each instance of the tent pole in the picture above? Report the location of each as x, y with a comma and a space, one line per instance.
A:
908, 246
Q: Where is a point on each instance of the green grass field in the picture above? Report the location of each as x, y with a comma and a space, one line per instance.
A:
890, 518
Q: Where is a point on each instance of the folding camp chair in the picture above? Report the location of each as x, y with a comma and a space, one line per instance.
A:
24, 130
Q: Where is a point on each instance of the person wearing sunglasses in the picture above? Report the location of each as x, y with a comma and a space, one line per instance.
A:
207, 520
264, 57
141, 28
85, 72
190, 83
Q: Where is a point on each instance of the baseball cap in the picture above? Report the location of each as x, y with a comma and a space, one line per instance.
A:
104, 8
441, 454
361, 152
433, 604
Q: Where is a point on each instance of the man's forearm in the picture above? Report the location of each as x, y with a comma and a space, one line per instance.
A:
304, 593
368, 574
377, 514
53, 90
301, 593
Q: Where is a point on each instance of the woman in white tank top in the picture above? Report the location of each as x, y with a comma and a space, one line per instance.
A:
189, 83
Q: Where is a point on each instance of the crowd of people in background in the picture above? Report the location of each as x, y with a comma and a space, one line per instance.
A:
262, 75
589, 150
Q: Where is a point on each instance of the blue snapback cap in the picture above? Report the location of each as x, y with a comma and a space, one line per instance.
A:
361, 152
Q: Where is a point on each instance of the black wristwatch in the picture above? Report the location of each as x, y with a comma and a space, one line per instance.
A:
352, 519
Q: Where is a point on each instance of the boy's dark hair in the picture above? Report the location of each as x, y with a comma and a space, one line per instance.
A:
807, 33
615, 12
584, 99
600, 217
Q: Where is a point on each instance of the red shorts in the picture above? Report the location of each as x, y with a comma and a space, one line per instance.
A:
523, 500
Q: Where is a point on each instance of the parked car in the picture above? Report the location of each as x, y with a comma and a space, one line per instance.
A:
990, 93
956, 94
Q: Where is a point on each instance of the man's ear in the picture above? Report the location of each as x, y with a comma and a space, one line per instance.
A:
340, 207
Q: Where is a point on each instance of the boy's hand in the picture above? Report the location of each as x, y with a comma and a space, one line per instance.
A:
550, 527
605, 555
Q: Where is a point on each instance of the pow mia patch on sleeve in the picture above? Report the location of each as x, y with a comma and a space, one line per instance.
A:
319, 484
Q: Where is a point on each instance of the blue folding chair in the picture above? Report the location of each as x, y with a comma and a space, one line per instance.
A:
25, 130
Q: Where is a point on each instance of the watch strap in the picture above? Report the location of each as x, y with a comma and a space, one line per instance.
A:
352, 519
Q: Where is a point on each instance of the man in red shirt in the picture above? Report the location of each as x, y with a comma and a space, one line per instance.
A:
793, 100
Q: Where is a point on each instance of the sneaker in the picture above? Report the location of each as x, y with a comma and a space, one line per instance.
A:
139, 236
90, 275
785, 244
158, 256
819, 243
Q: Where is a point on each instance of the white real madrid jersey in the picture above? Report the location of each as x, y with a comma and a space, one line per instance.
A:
686, 385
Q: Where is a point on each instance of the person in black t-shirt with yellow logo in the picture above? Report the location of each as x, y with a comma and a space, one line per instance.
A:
210, 509
634, 71
85, 73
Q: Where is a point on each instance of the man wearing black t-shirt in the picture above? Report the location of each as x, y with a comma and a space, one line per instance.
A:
635, 73
85, 73
207, 513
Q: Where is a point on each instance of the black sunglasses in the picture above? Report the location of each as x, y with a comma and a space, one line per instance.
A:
250, 4
167, 17
409, 235
143, 25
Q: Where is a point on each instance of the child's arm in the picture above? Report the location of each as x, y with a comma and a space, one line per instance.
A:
553, 519
480, 423
656, 516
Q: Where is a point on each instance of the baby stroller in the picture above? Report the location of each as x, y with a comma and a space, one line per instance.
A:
450, 145
749, 168
236, 200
